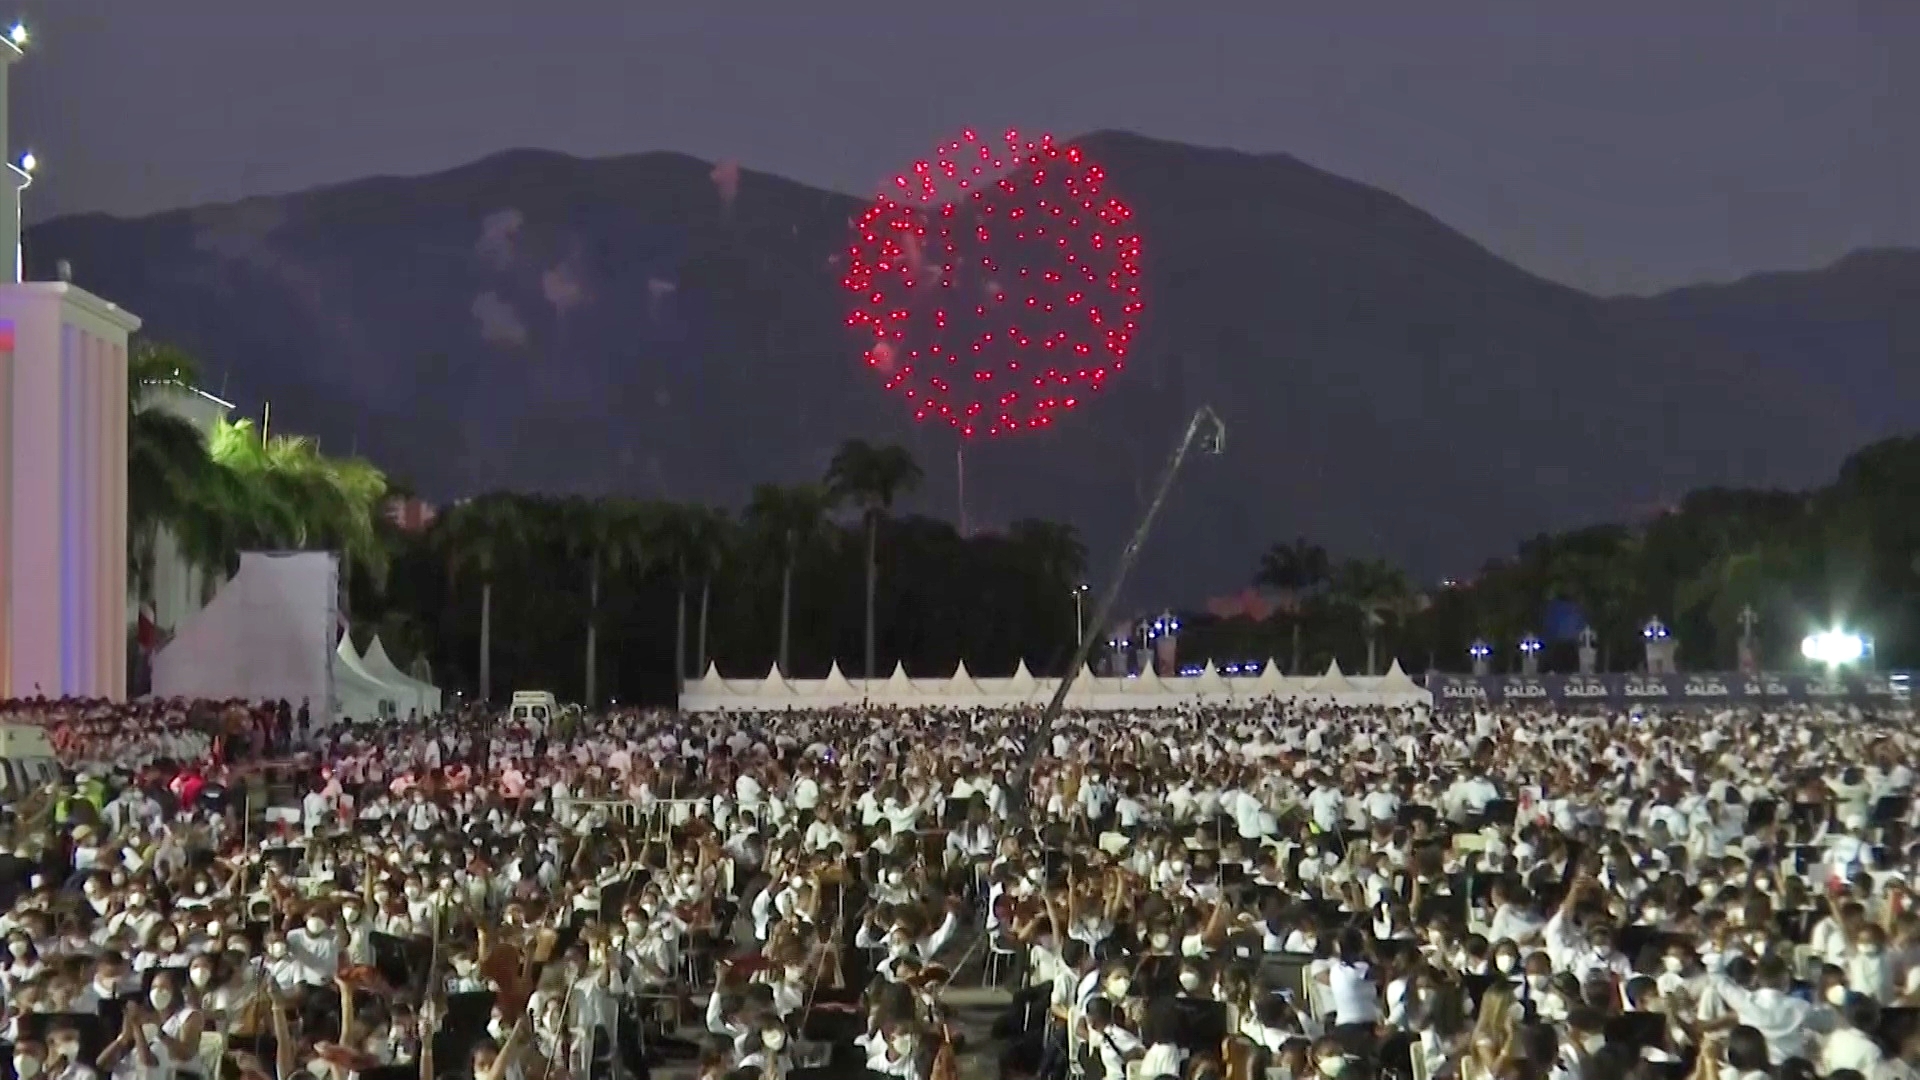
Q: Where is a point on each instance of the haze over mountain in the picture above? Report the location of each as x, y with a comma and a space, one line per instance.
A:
1391, 388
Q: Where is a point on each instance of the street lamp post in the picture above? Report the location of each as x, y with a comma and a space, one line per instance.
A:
1079, 612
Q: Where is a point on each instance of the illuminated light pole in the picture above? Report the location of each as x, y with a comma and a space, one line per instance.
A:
1481, 654
1163, 637
1530, 655
1079, 612
1835, 648
1660, 647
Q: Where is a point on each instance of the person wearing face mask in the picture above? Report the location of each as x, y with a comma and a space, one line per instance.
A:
1331, 1059
29, 1059
1106, 1042
172, 1026
1869, 970
1782, 1020
284, 971
23, 964
1852, 1044
65, 1058
767, 1054
316, 946
1348, 977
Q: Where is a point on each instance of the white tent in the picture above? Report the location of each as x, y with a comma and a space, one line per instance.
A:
359, 695
963, 690
381, 666
267, 635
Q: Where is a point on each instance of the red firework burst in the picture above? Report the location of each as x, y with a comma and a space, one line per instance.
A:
997, 284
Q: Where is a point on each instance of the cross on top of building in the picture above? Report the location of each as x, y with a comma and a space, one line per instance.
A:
1588, 639
1748, 620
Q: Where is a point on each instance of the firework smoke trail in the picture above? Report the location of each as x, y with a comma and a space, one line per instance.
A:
498, 322
658, 290
726, 180
499, 235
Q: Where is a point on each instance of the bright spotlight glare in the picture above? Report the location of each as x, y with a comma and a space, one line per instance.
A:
18, 34
1832, 648
28, 162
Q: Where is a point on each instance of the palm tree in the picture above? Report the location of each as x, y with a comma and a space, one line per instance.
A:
1052, 548
477, 537
610, 536
1375, 590
168, 461
872, 477
1295, 570
674, 541
710, 542
789, 520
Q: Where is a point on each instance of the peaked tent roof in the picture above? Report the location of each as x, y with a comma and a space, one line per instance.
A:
382, 667
1270, 678
1333, 682
837, 681
1396, 679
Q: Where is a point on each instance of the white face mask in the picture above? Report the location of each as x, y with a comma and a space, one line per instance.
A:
26, 1067
161, 997
1162, 940
316, 926
1674, 964
1836, 995
1332, 1066
1505, 962
200, 977
276, 949
774, 1040
1190, 981
1118, 987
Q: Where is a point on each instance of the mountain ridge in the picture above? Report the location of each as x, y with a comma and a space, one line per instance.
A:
538, 320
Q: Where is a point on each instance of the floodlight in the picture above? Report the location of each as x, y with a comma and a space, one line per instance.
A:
1833, 647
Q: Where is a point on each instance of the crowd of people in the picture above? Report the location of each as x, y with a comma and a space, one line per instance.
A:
1281, 890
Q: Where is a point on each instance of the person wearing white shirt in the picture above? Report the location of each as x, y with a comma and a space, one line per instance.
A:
1769, 1009
1349, 982
1852, 1045
1114, 1045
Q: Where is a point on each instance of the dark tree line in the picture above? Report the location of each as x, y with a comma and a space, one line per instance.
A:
1846, 554
606, 599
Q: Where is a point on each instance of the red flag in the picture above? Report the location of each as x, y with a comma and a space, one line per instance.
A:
148, 632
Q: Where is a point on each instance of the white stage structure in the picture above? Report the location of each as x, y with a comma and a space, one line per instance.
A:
382, 667
964, 690
269, 634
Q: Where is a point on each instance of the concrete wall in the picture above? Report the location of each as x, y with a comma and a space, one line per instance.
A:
63, 555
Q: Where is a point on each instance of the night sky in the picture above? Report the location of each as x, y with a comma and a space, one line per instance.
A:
1619, 146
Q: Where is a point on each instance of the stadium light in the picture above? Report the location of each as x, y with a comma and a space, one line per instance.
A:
18, 35
1834, 648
